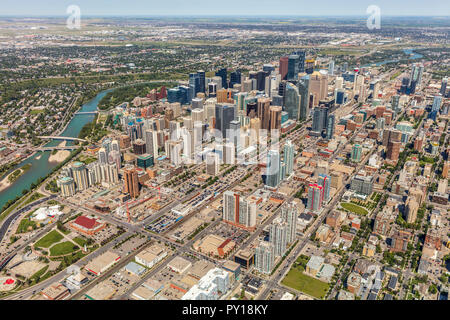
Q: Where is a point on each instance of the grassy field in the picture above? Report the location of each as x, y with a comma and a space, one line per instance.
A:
49, 239
25, 224
63, 248
80, 241
36, 111
296, 279
354, 208
38, 274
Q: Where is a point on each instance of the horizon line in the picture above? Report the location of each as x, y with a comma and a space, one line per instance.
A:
215, 16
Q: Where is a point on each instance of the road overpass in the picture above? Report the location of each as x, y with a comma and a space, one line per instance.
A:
62, 138
57, 148
86, 112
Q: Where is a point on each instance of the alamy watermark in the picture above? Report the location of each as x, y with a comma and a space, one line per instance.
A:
374, 20
74, 19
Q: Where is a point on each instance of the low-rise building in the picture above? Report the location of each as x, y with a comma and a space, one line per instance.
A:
179, 265
151, 256
56, 291
103, 262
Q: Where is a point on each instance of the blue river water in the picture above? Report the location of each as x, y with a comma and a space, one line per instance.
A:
39, 162
412, 55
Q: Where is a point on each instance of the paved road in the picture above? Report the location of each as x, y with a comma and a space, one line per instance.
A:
11, 217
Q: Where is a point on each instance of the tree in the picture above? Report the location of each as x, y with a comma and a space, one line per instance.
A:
378, 249
432, 289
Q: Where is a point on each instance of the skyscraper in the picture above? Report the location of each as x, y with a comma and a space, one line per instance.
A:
261, 80
131, 183
437, 101
235, 77
303, 90
223, 74
415, 77
80, 176
197, 103
273, 169
318, 87
356, 152
275, 117
301, 60
331, 68
320, 116
264, 257
393, 150
67, 186
278, 236
115, 145
395, 104
212, 163
290, 215
201, 75
443, 86
293, 71
314, 197
289, 157
239, 211
234, 135
330, 127
284, 62
102, 156
324, 181
225, 113
151, 143
194, 85
292, 101
264, 112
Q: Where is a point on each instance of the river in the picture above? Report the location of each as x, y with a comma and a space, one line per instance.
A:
41, 167
412, 55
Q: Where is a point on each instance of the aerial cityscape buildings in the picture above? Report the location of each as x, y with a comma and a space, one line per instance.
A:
224, 159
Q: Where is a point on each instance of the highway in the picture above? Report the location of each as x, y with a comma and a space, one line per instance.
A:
11, 217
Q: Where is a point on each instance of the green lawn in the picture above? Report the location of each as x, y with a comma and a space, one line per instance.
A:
39, 274
24, 224
81, 241
36, 111
296, 279
63, 248
49, 239
354, 208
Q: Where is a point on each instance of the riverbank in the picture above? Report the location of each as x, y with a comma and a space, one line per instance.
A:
13, 176
4, 184
60, 155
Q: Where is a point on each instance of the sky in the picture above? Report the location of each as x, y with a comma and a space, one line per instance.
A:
226, 7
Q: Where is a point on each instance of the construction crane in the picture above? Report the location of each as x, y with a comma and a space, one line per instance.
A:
141, 201
157, 188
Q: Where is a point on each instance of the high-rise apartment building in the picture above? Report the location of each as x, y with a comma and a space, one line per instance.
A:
356, 152
239, 211
289, 157
314, 197
278, 236
290, 215
264, 257
79, 174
